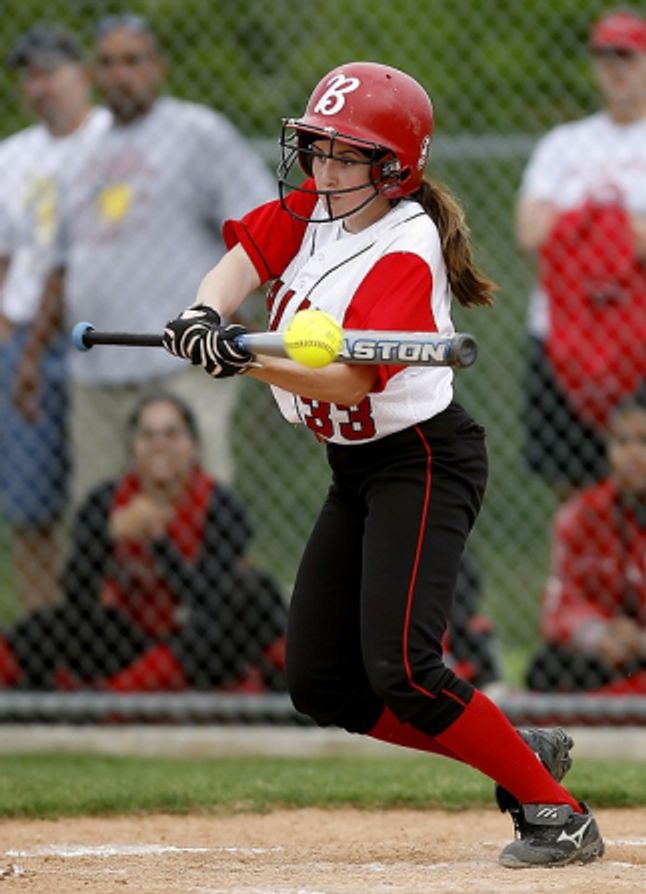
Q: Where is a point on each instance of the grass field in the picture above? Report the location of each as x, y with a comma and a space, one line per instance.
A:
47, 786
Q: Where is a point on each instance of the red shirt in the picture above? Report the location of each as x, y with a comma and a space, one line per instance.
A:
598, 563
597, 302
135, 586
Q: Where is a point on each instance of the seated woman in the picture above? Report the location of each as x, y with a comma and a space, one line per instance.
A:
594, 607
158, 595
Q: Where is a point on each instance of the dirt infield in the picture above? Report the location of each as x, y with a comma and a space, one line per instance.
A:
303, 852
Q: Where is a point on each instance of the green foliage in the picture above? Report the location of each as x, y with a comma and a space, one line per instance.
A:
257, 61
75, 785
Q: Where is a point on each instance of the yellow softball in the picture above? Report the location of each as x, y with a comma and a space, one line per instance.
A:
313, 338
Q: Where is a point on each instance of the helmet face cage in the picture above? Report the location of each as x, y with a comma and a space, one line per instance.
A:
377, 109
297, 156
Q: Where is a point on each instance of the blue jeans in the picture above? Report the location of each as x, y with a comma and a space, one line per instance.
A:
34, 456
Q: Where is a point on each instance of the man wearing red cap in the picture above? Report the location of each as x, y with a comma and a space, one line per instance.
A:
582, 212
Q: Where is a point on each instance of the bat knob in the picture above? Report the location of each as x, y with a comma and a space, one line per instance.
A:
78, 336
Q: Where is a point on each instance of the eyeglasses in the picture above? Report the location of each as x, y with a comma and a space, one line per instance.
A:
167, 433
621, 53
131, 22
129, 60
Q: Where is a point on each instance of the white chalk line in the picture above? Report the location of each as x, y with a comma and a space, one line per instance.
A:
130, 850
257, 891
627, 842
144, 850
612, 842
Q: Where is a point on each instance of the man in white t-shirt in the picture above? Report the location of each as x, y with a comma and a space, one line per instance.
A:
140, 226
55, 86
599, 159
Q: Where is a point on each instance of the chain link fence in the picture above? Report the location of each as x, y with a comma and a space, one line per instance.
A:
501, 74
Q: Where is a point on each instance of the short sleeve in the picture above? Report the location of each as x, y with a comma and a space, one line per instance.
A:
270, 235
396, 294
542, 176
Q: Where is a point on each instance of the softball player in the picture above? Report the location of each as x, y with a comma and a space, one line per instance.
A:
367, 239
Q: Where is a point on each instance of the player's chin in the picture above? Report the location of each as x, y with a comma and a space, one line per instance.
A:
346, 208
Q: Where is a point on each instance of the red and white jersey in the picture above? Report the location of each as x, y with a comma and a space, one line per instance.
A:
390, 276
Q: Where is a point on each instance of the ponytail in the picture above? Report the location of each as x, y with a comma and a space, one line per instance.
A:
467, 282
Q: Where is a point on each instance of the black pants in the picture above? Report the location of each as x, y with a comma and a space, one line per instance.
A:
215, 645
91, 641
375, 585
559, 669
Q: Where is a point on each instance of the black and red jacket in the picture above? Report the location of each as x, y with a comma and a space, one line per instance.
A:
157, 584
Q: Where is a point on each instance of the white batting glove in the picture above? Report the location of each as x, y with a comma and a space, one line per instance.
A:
221, 355
184, 335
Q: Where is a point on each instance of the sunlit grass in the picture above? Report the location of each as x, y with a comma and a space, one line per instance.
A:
46, 785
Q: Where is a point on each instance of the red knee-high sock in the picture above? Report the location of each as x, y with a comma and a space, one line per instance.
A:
389, 729
10, 671
158, 669
484, 738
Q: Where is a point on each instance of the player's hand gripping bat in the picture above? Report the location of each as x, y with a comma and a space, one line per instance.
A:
359, 346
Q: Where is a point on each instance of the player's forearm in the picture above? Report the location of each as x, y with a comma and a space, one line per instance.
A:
337, 383
48, 319
226, 285
4, 268
534, 220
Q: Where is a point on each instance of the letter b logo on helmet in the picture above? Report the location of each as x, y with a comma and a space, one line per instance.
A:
333, 100
379, 107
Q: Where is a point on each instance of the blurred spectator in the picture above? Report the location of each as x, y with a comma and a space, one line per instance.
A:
158, 594
582, 208
139, 228
470, 645
34, 464
594, 610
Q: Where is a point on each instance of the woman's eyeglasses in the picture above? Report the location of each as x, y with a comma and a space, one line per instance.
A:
621, 53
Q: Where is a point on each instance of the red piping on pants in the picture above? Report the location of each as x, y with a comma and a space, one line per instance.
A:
413, 577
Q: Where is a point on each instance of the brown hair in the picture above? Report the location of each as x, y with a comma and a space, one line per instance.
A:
165, 397
467, 282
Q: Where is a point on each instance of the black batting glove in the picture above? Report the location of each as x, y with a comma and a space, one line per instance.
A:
184, 335
220, 355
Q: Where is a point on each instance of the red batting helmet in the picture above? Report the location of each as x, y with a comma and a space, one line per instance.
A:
374, 107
